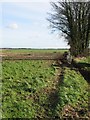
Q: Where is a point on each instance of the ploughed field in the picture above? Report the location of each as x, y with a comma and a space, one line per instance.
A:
15, 54
42, 88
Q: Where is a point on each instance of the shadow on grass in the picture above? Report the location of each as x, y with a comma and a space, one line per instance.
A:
82, 69
53, 97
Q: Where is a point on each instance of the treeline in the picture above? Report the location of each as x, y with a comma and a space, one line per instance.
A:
73, 20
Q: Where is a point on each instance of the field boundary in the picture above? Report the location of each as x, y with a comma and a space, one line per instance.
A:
49, 56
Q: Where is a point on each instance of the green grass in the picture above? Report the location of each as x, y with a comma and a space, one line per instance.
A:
22, 82
29, 90
85, 61
73, 92
33, 50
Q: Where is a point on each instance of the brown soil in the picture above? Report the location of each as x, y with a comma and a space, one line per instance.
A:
35, 56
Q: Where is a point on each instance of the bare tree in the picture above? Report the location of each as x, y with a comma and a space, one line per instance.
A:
73, 20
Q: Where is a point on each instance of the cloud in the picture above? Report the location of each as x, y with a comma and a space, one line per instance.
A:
13, 26
32, 26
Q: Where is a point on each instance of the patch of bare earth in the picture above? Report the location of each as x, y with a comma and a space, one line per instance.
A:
16, 56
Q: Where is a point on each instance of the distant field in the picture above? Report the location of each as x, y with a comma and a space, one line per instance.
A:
18, 54
32, 50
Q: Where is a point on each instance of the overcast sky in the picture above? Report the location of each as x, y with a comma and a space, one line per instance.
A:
24, 24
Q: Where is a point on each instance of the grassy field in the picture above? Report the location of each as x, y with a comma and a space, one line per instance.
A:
23, 82
32, 50
43, 89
